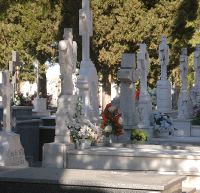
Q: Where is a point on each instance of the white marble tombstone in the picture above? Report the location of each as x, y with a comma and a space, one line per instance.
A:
39, 103
87, 82
184, 103
127, 76
54, 154
11, 150
163, 91
145, 104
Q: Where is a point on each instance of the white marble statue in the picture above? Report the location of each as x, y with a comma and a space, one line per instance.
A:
67, 61
163, 91
145, 104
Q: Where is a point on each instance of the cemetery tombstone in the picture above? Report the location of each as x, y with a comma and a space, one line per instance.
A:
163, 91
196, 89
128, 76
145, 104
11, 150
184, 104
39, 103
87, 82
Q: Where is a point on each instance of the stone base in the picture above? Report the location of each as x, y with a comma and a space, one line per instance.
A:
11, 150
40, 105
55, 155
45, 180
183, 127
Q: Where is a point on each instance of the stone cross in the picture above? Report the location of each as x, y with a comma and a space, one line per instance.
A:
36, 66
184, 68
14, 68
85, 28
143, 67
6, 91
164, 57
128, 76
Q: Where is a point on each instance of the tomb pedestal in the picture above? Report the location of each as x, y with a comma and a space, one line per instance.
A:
11, 150
40, 106
164, 98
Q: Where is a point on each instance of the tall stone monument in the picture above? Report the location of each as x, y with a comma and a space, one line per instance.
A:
145, 104
196, 90
128, 76
11, 150
87, 82
54, 154
164, 98
184, 103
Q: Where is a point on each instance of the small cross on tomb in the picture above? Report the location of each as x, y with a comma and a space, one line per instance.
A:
6, 91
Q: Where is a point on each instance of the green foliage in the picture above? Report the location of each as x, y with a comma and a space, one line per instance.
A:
138, 135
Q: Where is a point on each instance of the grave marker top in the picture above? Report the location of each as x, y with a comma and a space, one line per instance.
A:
85, 29
143, 67
6, 91
184, 68
164, 57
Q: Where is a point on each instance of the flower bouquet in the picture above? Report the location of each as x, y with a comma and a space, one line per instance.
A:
162, 123
111, 121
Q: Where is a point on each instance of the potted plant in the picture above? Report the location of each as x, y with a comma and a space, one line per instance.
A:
138, 136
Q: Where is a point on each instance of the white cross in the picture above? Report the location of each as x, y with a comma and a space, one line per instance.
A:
85, 28
6, 91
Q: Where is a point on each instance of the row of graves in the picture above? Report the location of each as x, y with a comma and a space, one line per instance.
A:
111, 163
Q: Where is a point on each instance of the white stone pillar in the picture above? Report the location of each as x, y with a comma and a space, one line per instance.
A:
163, 91
145, 104
184, 103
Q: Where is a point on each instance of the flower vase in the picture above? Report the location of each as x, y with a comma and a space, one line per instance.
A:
85, 144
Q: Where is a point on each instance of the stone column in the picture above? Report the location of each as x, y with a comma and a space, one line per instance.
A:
127, 77
11, 150
184, 103
88, 74
196, 89
145, 104
164, 98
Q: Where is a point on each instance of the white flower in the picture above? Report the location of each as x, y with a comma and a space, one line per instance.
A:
108, 129
112, 109
120, 120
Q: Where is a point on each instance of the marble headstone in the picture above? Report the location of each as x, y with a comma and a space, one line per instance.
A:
128, 76
11, 150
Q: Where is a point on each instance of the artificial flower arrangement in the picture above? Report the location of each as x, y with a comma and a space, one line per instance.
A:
162, 123
80, 127
111, 121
